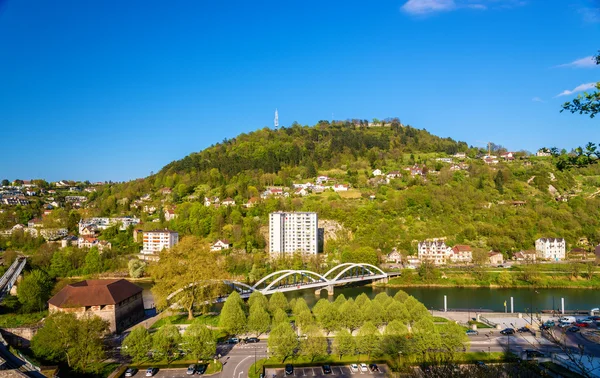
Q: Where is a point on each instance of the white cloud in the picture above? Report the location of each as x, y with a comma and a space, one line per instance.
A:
579, 88
537, 99
422, 7
586, 62
428, 6
590, 15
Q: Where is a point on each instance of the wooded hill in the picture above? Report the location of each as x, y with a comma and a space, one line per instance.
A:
503, 207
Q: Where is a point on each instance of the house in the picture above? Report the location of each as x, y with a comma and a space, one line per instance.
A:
90, 230
74, 189
435, 252
251, 202
165, 191
220, 245
300, 192
53, 233
394, 175
89, 242
528, 255
31, 192
68, 241
322, 179
274, 192
416, 170
377, 172
340, 188
496, 258
170, 214
228, 202
444, 160
490, 160
35, 223
508, 156
543, 152
460, 155
117, 301
394, 257
461, 254
551, 248
577, 254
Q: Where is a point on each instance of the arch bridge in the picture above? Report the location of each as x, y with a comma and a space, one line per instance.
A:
292, 280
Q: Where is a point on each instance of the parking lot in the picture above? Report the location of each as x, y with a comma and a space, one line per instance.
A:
317, 371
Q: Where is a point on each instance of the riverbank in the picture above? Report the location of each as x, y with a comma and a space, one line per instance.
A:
498, 280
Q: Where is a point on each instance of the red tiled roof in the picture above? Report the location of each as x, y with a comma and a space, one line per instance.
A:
461, 248
94, 293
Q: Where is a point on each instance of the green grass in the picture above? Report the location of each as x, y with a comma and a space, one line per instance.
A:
21, 320
479, 324
210, 320
439, 319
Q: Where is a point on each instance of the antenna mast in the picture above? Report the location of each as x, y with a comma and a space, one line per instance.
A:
276, 120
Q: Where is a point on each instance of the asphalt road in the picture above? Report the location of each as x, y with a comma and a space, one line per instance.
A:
238, 358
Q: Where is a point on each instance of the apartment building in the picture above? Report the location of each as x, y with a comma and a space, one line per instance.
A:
435, 252
461, 254
551, 248
157, 240
293, 232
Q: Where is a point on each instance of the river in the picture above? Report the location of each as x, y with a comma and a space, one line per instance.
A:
459, 298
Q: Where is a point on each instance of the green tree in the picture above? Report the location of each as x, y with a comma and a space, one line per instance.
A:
350, 315
233, 318
339, 301
259, 319
300, 306
35, 290
193, 282
200, 341
282, 341
505, 279
279, 317
369, 339
586, 103
166, 342
137, 345
305, 319
499, 181
93, 262
314, 345
396, 311
328, 317
78, 342
453, 338
344, 344
394, 337
136, 267
278, 300
259, 298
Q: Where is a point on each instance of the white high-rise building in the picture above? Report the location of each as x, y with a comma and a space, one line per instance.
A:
293, 232
551, 248
157, 240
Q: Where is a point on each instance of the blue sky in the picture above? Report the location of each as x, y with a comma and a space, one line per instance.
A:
112, 90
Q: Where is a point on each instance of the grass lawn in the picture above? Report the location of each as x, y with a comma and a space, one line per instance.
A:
211, 320
350, 194
479, 324
21, 320
439, 319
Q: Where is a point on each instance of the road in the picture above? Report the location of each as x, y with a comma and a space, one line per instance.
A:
237, 359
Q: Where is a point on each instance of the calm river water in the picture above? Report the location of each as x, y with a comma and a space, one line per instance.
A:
460, 298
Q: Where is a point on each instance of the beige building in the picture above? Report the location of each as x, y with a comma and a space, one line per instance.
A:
155, 241
117, 301
496, 258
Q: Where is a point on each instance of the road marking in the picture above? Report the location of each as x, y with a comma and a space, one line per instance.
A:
240, 375
236, 366
313, 370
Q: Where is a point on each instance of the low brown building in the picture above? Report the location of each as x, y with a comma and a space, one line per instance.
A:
117, 301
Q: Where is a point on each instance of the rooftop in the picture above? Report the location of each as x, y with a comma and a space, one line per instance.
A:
94, 293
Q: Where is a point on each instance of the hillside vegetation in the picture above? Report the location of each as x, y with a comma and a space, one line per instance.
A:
472, 205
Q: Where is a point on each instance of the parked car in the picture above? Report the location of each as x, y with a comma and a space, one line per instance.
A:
191, 370
251, 340
573, 329
472, 332
523, 329
595, 318
364, 368
130, 372
549, 323
151, 371
373, 368
587, 321
201, 369
233, 340
545, 326
480, 364
289, 369
507, 331
567, 319
581, 324
354, 368
326, 369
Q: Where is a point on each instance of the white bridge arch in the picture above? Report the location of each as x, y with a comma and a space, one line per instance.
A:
292, 280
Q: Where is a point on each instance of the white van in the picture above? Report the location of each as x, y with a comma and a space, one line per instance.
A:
567, 319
